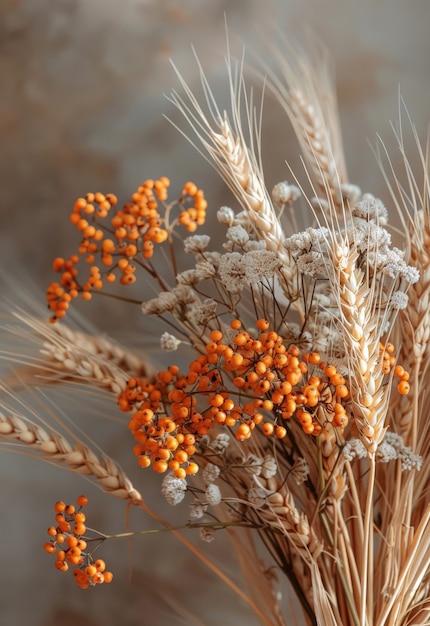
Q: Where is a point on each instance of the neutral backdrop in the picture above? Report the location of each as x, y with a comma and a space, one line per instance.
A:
81, 108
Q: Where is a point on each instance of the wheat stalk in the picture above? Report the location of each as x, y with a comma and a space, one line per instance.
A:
53, 447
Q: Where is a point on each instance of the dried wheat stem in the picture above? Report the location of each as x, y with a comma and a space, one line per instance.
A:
53, 447
360, 332
70, 355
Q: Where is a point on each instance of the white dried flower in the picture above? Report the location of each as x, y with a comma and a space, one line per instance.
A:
196, 243
213, 494
225, 215
354, 449
184, 294
311, 263
254, 244
350, 192
211, 473
203, 313
371, 208
188, 277
409, 459
220, 443
169, 342
257, 496
283, 193
207, 534
232, 271
260, 264
269, 467
300, 470
237, 235
197, 510
166, 301
399, 300
306, 239
173, 489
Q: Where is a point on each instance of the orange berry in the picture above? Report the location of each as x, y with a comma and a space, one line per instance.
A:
403, 387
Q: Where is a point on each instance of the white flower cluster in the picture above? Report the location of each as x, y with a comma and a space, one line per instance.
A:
300, 470
391, 448
282, 193
210, 473
173, 489
212, 494
169, 300
371, 208
196, 243
169, 343
239, 270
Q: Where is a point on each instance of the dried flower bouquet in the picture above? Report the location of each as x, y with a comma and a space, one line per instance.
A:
301, 416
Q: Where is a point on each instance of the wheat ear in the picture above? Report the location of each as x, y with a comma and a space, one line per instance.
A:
54, 447
238, 163
66, 354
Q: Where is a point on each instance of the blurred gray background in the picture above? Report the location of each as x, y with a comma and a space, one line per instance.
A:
81, 108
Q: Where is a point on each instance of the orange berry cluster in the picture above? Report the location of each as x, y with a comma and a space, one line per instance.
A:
129, 236
388, 359
68, 544
249, 382
268, 383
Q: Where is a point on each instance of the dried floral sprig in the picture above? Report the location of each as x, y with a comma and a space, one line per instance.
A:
302, 416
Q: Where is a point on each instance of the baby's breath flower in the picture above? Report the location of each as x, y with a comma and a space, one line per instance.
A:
207, 534
399, 300
204, 312
211, 473
225, 215
311, 263
166, 301
196, 243
269, 467
284, 192
261, 264
220, 443
371, 208
169, 342
257, 496
213, 494
197, 510
354, 449
350, 192
173, 489
300, 470
237, 235
395, 449
232, 271
306, 239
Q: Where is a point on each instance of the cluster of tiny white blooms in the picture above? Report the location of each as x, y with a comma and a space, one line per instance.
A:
371, 208
196, 243
300, 470
350, 192
268, 467
257, 496
303, 241
392, 447
220, 443
369, 237
237, 235
225, 215
236, 271
394, 444
213, 494
169, 343
204, 312
232, 272
197, 510
207, 534
166, 301
173, 489
392, 263
354, 449
282, 193
210, 473
399, 300
203, 270
311, 263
